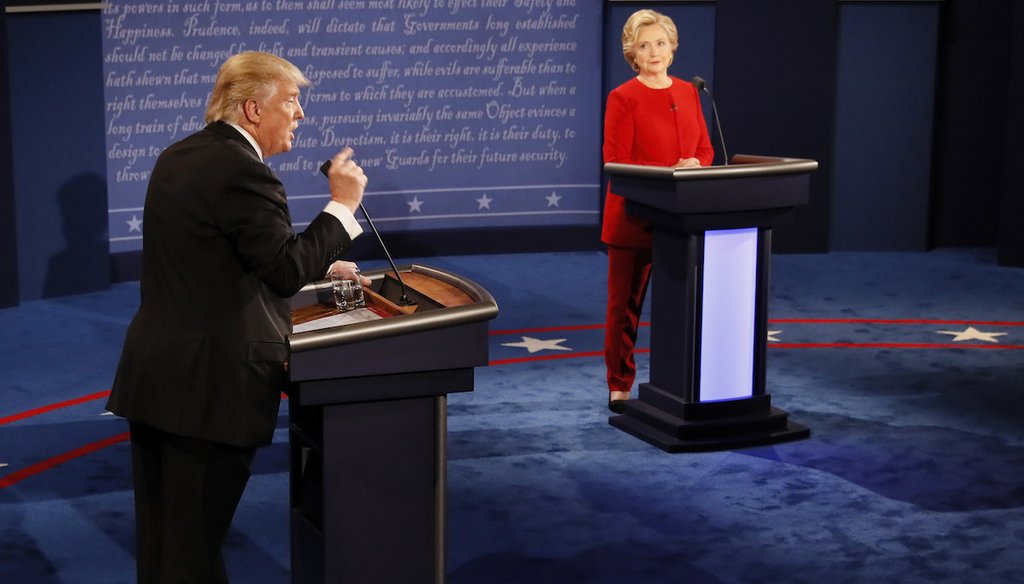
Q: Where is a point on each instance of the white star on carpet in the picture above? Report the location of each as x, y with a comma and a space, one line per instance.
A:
414, 205
553, 199
771, 336
533, 345
972, 334
135, 224
485, 202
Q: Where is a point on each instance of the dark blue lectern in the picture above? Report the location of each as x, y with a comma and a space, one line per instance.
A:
709, 300
368, 425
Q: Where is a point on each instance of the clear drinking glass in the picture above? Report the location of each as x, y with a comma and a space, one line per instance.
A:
348, 294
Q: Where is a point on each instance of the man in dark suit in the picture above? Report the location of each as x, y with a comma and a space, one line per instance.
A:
203, 365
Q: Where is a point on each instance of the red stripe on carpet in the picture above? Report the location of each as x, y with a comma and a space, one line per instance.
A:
529, 359
552, 329
39, 467
553, 357
890, 321
52, 407
889, 346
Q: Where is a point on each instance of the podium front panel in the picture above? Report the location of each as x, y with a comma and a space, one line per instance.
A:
727, 314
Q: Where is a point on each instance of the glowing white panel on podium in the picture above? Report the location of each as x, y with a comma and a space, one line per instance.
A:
727, 318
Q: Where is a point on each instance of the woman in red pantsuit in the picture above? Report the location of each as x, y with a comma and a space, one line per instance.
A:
653, 119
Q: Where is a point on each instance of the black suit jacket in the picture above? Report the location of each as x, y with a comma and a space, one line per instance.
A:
204, 356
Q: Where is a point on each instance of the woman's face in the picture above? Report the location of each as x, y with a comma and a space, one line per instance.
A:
652, 50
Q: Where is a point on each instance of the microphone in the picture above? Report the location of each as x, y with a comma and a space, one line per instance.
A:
702, 85
404, 298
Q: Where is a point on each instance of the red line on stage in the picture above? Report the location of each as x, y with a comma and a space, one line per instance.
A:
890, 321
908, 321
553, 357
45, 465
551, 329
889, 346
52, 407
514, 360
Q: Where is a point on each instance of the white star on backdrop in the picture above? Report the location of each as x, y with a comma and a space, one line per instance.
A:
135, 224
972, 334
3, 464
414, 204
771, 336
553, 199
485, 202
533, 345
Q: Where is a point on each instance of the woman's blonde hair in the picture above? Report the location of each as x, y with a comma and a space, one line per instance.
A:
248, 75
640, 19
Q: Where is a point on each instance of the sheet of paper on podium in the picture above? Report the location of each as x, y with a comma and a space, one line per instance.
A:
340, 319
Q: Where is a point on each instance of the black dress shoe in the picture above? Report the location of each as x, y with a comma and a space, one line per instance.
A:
618, 406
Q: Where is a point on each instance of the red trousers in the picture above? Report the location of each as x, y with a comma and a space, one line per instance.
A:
629, 272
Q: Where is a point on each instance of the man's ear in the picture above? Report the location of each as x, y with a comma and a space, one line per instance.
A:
251, 110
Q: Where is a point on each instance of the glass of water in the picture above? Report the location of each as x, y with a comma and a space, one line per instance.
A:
348, 294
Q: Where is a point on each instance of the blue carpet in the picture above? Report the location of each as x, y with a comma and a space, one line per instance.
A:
914, 471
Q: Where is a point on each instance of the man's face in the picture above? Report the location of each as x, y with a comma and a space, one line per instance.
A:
279, 115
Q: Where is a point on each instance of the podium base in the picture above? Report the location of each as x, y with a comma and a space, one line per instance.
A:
673, 426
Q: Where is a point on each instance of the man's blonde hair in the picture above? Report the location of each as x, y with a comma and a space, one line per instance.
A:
640, 19
248, 75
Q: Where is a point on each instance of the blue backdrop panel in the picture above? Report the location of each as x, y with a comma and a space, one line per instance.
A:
883, 133
59, 170
775, 65
464, 113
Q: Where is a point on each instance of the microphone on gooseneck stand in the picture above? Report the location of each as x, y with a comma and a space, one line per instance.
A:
702, 85
404, 298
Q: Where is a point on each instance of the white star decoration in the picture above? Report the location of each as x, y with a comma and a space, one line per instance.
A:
533, 345
771, 336
484, 202
972, 334
414, 204
135, 224
3, 464
553, 199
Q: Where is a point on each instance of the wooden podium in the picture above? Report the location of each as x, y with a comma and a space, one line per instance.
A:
709, 300
368, 424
